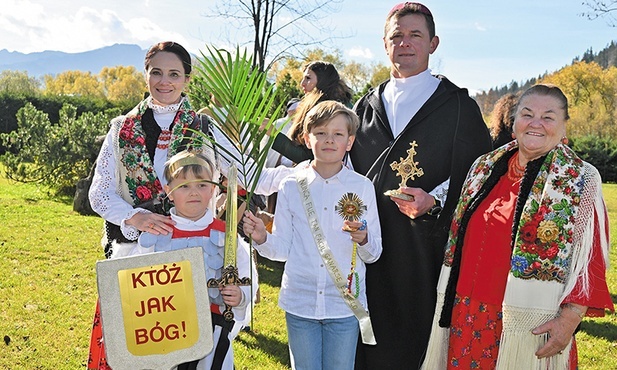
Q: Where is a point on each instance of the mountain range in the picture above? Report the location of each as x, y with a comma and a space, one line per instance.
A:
54, 62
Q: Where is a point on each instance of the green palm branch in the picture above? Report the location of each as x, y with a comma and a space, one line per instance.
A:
242, 103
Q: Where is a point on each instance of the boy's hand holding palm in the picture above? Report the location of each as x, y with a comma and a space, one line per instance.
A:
254, 227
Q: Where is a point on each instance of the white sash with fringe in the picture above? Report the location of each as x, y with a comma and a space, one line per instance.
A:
340, 281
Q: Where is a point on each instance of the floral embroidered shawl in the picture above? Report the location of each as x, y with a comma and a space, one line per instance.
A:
140, 183
543, 243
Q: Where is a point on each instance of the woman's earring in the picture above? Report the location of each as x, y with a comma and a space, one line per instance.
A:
564, 140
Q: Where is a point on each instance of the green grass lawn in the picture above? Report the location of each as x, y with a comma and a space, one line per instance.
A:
48, 291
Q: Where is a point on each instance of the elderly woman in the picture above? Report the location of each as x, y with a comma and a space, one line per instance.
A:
527, 253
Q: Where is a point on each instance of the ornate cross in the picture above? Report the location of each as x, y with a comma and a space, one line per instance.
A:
407, 168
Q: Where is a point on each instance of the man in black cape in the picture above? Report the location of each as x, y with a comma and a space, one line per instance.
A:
426, 132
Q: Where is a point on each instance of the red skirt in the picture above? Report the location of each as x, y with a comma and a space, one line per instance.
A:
97, 360
474, 335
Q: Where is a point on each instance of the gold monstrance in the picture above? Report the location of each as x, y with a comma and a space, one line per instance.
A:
407, 169
350, 207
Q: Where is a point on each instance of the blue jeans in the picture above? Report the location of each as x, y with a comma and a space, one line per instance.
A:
328, 344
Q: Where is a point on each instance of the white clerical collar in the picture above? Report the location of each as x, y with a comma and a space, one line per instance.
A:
403, 97
190, 225
418, 80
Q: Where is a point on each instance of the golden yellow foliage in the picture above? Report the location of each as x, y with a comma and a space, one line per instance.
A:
123, 83
76, 83
116, 84
592, 95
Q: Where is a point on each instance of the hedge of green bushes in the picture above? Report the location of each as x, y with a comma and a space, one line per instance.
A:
54, 143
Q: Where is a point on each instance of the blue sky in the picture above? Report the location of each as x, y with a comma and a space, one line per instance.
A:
484, 43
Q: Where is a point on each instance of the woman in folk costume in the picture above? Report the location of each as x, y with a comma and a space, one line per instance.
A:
527, 253
127, 187
127, 184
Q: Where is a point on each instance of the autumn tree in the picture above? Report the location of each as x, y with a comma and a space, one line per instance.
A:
75, 83
592, 94
286, 69
294, 67
279, 28
380, 72
19, 83
122, 83
335, 57
356, 75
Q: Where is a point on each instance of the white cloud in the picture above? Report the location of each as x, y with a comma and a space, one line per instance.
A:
29, 27
479, 27
359, 52
19, 20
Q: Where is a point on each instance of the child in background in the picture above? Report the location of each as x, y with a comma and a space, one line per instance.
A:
189, 185
325, 201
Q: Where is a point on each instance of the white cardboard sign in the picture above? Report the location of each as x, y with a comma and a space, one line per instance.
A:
155, 309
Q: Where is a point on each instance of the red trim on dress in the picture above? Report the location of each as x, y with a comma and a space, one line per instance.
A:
216, 224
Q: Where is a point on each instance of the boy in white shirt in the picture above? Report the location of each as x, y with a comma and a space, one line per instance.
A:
326, 228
